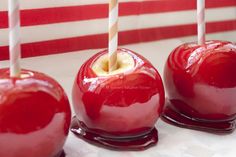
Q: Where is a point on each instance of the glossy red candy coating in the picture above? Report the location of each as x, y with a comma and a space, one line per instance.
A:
34, 115
200, 82
122, 105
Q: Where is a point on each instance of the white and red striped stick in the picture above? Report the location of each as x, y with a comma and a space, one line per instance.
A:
113, 34
14, 37
201, 22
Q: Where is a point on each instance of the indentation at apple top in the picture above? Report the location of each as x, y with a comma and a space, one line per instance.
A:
118, 109
34, 115
201, 85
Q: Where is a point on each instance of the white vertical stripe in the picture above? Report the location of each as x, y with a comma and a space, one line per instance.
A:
113, 44
14, 37
201, 21
13, 4
113, 16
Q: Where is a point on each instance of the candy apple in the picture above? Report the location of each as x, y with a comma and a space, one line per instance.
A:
34, 115
201, 86
118, 109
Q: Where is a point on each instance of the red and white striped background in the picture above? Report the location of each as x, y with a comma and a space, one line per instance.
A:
59, 26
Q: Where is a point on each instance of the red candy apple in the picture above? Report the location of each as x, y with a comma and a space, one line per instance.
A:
201, 86
34, 115
118, 109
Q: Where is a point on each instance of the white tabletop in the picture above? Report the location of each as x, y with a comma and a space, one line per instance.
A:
173, 141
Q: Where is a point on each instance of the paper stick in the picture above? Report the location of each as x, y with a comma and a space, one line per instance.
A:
14, 37
113, 34
201, 22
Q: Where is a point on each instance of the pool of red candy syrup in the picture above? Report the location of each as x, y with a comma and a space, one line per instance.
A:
61, 154
130, 143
